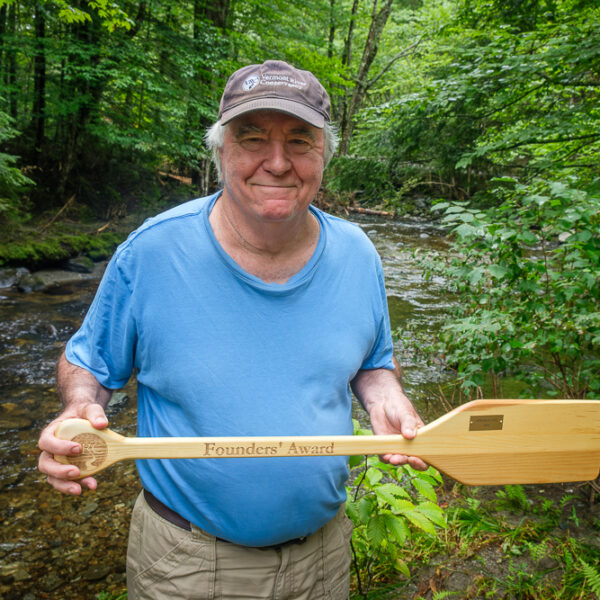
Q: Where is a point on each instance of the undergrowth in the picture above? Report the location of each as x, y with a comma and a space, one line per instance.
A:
502, 543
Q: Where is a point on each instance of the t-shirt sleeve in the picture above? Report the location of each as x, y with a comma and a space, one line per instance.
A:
382, 352
105, 343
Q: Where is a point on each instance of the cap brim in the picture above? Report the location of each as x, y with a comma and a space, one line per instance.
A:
296, 109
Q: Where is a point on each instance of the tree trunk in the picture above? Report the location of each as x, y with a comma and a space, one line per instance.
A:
346, 58
39, 80
378, 23
331, 28
11, 62
2, 34
90, 36
215, 11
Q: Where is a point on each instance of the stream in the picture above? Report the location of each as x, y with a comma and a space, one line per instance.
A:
60, 547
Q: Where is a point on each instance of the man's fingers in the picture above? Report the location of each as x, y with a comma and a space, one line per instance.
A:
52, 468
50, 443
66, 487
401, 459
73, 488
416, 463
95, 414
409, 425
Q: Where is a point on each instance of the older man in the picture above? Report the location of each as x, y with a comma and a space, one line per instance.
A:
249, 312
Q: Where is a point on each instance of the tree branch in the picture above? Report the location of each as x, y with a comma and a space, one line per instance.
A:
396, 57
549, 141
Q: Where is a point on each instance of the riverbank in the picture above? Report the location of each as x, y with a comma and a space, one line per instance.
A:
52, 240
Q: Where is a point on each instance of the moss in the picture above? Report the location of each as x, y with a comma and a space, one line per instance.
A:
34, 253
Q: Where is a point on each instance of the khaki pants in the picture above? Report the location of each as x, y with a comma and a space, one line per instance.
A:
166, 562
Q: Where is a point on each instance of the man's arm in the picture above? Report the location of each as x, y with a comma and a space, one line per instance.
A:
391, 412
82, 396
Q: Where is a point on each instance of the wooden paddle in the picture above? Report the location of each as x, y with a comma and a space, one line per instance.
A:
485, 442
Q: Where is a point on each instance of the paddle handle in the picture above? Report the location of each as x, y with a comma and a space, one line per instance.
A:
103, 447
479, 443
261, 447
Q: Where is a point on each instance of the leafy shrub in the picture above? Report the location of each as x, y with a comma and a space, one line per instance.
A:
368, 177
388, 506
528, 271
12, 180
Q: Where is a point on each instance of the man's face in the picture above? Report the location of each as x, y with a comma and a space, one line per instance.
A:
272, 165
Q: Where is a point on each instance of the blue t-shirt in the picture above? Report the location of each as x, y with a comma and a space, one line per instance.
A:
219, 352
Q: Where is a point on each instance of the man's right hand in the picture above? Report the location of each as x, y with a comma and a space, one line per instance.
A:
60, 476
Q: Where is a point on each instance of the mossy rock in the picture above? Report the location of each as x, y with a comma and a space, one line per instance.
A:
36, 253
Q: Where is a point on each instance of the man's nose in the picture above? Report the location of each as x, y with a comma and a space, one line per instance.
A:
277, 160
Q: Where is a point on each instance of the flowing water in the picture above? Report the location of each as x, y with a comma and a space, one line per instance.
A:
60, 547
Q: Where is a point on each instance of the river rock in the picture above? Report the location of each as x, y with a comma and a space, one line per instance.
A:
96, 572
14, 572
15, 422
51, 582
80, 264
89, 508
50, 278
10, 277
31, 283
118, 402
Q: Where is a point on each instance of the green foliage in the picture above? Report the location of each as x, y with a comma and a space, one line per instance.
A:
592, 576
513, 497
389, 505
12, 180
111, 14
528, 270
539, 558
109, 596
495, 91
38, 250
368, 178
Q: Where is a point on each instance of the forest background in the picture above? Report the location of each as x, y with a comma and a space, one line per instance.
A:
490, 105
484, 113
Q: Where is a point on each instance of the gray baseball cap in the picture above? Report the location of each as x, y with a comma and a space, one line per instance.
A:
275, 85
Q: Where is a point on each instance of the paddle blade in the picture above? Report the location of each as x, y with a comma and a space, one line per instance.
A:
488, 442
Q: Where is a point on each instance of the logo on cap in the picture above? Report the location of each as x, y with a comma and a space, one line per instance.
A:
250, 82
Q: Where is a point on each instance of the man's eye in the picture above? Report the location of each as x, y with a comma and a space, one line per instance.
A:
252, 143
299, 145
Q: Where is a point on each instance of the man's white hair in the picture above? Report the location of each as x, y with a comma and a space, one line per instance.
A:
215, 136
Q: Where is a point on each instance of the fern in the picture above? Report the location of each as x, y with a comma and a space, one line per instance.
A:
537, 551
513, 497
592, 576
443, 594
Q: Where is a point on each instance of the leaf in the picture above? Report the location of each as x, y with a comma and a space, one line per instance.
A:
355, 461
592, 576
365, 508
420, 520
373, 476
352, 511
376, 532
455, 209
401, 566
397, 528
433, 512
465, 230
390, 492
498, 271
424, 488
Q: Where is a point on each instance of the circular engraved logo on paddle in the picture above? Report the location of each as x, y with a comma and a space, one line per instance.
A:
94, 451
